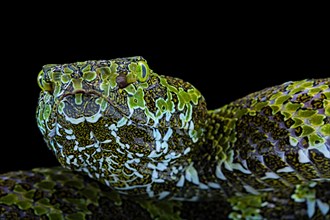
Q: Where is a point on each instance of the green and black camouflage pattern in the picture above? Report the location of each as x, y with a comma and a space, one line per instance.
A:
151, 138
57, 193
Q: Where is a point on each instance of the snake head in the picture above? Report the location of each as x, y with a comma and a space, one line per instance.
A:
80, 76
119, 122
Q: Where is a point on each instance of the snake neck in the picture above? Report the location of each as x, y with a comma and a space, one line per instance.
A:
214, 154
276, 138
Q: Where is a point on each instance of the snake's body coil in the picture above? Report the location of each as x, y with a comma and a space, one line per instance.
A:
149, 136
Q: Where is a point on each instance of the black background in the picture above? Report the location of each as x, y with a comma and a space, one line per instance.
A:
225, 57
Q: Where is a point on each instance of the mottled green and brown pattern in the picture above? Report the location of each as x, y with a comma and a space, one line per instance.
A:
122, 124
57, 193
149, 136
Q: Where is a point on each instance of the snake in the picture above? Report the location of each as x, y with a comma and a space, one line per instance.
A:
134, 144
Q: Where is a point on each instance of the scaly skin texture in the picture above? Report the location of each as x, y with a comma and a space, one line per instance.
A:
57, 193
149, 136
122, 124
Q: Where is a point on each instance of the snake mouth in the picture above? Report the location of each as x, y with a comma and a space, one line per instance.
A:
87, 92
81, 91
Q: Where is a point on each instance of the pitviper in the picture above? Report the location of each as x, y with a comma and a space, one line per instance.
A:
152, 149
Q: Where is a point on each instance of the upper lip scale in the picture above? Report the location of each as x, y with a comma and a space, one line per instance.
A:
94, 93
98, 94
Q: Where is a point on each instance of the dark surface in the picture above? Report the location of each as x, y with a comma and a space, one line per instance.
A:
225, 61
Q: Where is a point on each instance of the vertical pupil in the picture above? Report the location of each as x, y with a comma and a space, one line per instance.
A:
144, 71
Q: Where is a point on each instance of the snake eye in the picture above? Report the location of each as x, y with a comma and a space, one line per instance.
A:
143, 71
45, 86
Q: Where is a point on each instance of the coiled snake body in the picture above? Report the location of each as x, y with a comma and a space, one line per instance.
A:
152, 139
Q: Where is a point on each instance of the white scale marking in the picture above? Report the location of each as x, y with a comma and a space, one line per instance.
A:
100, 164
192, 199
324, 207
75, 162
191, 174
110, 161
131, 112
153, 154
251, 190
191, 126
285, 170
68, 159
139, 154
168, 134
302, 157
154, 174
163, 194
161, 166
270, 175
151, 166
214, 185
68, 131
135, 160
181, 116
85, 170
70, 137
121, 122
239, 167
167, 160
75, 121
106, 141
52, 133
293, 141
187, 150
138, 174
57, 129
128, 167
180, 183
157, 134
175, 170
113, 127
203, 186
310, 207
165, 147
149, 191
168, 116
60, 147
158, 145
94, 118
172, 155
218, 172
119, 151
159, 181
113, 133
244, 163
91, 135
